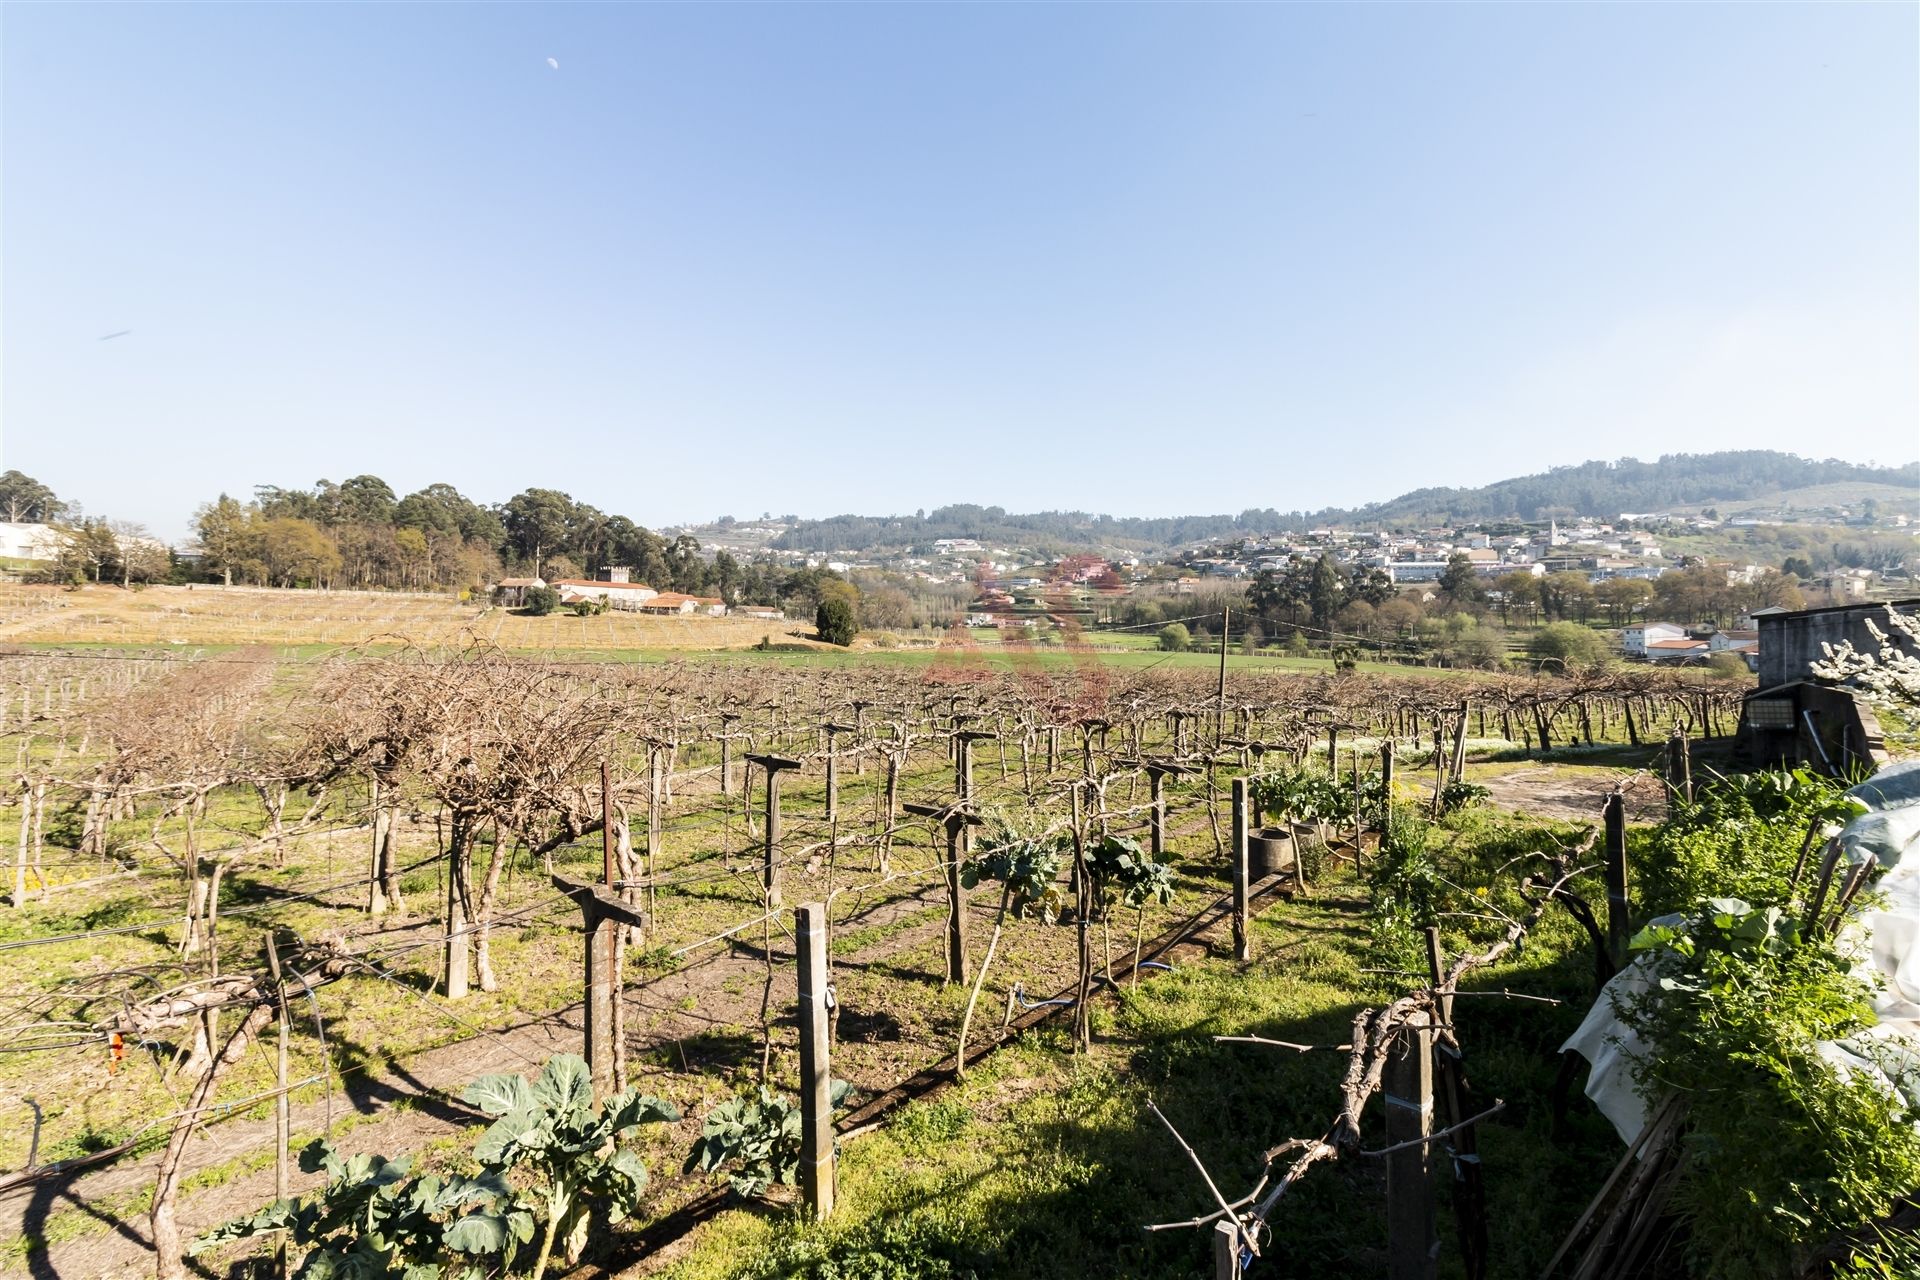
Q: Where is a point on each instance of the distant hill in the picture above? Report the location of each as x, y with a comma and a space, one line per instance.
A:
1677, 481
1607, 489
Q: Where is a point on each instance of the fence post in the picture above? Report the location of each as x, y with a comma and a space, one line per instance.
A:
1157, 814
833, 769
1386, 776
817, 1180
956, 820
727, 719
770, 874
1407, 1089
602, 912
1226, 1251
282, 1120
1614, 813
1679, 766
376, 894
1242, 935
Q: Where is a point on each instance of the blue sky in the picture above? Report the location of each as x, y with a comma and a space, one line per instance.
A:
1144, 259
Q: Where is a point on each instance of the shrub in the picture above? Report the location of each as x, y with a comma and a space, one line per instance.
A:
1728, 666
1566, 645
1403, 890
1460, 794
540, 601
1782, 1150
834, 621
1175, 638
1740, 838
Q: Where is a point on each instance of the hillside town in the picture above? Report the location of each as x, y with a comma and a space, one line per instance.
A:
1685, 587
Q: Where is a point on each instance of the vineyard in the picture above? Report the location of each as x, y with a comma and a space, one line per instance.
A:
207, 614
260, 898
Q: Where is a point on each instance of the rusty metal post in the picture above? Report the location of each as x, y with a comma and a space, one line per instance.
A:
817, 1180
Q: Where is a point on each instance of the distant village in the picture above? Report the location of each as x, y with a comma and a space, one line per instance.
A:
981, 582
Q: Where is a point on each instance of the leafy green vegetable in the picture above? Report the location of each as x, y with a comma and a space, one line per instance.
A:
756, 1139
375, 1218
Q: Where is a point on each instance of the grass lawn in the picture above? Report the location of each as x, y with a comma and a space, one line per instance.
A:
1043, 1161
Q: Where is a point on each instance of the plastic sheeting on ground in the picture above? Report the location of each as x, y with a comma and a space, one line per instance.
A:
1887, 939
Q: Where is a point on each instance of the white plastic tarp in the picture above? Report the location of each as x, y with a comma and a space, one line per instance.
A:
1887, 940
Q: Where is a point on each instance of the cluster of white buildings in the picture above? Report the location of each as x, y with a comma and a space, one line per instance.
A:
1670, 644
1599, 550
616, 592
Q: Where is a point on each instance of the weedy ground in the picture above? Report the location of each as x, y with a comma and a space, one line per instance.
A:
1043, 1160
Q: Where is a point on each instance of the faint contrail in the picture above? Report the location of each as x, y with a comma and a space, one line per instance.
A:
123, 333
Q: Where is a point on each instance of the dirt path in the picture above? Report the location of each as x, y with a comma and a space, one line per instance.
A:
703, 1017
1574, 793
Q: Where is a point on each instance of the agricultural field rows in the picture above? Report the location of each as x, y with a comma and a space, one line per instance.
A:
395, 819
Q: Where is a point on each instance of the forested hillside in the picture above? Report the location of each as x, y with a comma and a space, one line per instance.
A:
1603, 489
1607, 489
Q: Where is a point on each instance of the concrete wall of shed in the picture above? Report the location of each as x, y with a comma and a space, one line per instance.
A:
1790, 643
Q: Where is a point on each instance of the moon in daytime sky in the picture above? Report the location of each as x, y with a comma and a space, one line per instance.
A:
554, 63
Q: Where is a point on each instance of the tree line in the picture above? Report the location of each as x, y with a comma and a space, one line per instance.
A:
359, 533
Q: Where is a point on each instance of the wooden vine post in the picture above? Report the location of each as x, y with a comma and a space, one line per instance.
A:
1157, 771
859, 736
817, 1174
1413, 1249
1083, 922
1619, 927
1679, 766
833, 767
1226, 1250
376, 897
1242, 933
603, 912
1450, 1095
727, 719
770, 875
282, 1120
956, 819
